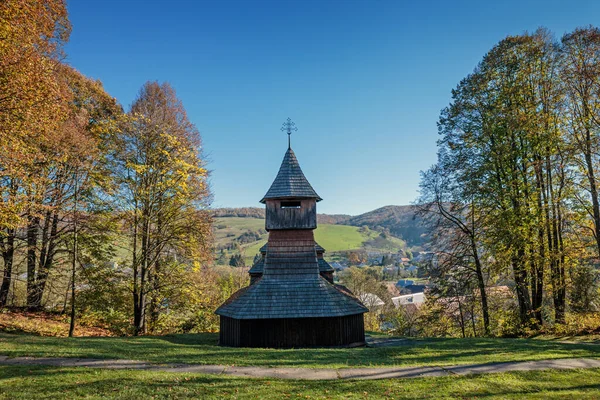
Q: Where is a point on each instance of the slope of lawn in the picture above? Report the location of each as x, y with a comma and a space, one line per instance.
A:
331, 237
19, 383
203, 349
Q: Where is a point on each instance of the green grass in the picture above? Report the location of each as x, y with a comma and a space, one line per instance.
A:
20, 383
341, 237
234, 224
234, 227
333, 238
593, 338
203, 349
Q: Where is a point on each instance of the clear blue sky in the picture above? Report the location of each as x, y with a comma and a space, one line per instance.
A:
363, 80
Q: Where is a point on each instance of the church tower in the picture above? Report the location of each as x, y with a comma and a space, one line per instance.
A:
291, 301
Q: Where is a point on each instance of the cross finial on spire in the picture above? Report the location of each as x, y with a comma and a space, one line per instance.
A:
289, 127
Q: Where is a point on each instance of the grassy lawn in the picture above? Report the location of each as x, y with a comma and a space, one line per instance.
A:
203, 349
19, 383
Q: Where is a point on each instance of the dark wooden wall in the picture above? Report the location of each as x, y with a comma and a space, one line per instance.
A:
292, 332
304, 217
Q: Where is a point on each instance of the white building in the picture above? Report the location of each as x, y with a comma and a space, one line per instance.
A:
414, 298
371, 300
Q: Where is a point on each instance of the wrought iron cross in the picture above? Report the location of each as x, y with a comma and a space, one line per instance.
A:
289, 127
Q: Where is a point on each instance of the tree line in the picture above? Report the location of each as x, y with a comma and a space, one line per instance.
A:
514, 191
85, 183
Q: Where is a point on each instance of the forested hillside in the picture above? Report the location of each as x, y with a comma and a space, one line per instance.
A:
401, 221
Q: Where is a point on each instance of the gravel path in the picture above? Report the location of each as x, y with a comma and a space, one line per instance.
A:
310, 373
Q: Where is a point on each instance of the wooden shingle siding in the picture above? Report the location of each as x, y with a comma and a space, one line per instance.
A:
325, 269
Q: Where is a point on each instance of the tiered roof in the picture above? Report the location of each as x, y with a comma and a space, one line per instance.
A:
291, 286
258, 267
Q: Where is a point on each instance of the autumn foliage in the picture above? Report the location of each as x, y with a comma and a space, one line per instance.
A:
95, 201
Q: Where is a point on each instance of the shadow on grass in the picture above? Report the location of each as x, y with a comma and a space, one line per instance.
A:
191, 339
203, 349
72, 383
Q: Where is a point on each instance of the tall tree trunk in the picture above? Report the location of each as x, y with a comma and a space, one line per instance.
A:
46, 259
462, 319
7, 245
154, 277
481, 286
135, 265
520, 277
74, 264
479, 274
473, 319
32, 237
558, 268
140, 318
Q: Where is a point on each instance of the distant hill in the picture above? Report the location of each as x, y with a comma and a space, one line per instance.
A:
400, 221
257, 212
390, 228
247, 235
242, 212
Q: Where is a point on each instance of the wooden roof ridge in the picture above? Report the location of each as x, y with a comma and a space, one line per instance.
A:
290, 181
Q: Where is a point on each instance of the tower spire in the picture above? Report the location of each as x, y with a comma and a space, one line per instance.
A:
289, 127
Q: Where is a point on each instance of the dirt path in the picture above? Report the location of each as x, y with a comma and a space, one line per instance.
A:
310, 373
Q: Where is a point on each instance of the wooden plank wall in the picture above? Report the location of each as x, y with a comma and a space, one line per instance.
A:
293, 332
304, 217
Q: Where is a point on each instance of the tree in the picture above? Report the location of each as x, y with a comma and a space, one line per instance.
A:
580, 72
357, 257
458, 229
387, 259
73, 166
237, 260
163, 195
222, 259
366, 284
31, 108
585, 293
502, 147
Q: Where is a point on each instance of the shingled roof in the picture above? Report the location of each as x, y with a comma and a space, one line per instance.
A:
291, 286
290, 181
258, 267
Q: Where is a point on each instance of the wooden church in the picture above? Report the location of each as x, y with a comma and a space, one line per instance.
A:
292, 300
